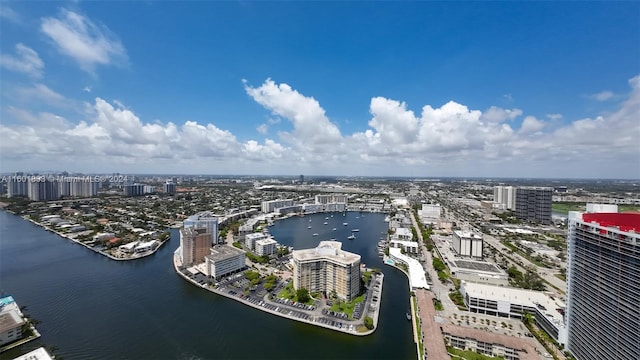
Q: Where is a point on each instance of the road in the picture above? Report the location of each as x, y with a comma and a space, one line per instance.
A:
544, 273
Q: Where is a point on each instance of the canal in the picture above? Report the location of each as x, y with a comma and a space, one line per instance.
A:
90, 307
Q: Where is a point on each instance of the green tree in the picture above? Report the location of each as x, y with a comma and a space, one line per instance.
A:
303, 295
438, 265
368, 322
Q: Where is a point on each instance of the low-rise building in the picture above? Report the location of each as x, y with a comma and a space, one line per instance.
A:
486, 343
11, 321
417, 276
547, 311
145, 246
404, 234
410, 247
128, 248
37, 354
103, 236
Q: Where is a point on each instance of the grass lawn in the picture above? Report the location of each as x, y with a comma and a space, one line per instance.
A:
290, 293
565, 207
468, 355
626, 208
347, 307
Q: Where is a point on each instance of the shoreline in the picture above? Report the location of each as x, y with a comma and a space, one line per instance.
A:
65, 236
417, 338
315, 320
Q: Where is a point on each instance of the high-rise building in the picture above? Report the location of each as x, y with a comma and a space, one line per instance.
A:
17, 185
505, 195
77, 186
272, 205
169, 188
327, 268
534, 204
331, 198
194, 245
466, 243
224, 260
207, 220
603, 285
43, 190
133, 190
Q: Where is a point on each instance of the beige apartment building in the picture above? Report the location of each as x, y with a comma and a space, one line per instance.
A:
327, 268
194, 244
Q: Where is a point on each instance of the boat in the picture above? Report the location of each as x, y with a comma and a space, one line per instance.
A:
326, 218
408, 315
309, 227
326, 223
333, 239
351, 237
334, 229
355, 230
315, 234
345, 224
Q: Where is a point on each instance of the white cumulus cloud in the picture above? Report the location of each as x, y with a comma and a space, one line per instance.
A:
311, 127
530, 125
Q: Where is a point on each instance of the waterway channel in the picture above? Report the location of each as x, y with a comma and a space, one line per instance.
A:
91, 307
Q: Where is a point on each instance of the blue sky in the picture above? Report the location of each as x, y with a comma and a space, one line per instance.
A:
488, 89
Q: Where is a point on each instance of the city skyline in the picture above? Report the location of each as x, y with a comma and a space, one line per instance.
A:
537, 90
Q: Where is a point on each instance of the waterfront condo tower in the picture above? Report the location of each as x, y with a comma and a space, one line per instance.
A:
207, 220
327, 268
603, 286
194, 245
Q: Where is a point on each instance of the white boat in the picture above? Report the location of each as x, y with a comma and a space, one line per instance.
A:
309, 227
327, 218
334, 229
345, 224
351, 237
315, 234
326, 223
355, 230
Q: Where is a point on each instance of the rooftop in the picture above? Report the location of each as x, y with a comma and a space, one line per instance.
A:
417, 279
478, 266
525, 347
266, 242
626, 222
222, 252
37, 354
546, 304
10, 320
467, 234
329, 250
